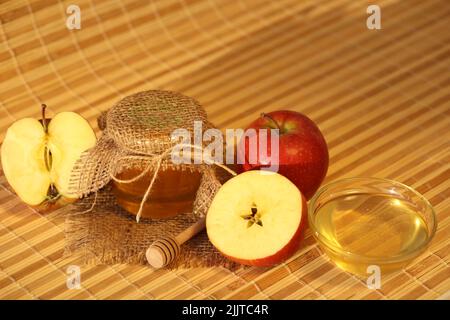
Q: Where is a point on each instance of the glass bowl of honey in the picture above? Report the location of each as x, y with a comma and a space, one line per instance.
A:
364, 222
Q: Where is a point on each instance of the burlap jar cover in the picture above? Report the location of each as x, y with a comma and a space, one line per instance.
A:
136, 132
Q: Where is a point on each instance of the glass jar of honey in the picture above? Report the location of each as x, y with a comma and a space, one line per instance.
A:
134, 151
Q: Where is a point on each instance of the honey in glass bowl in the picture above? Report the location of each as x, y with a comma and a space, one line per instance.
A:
364, 222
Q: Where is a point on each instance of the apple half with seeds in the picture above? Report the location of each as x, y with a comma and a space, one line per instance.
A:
38, 157
257, 218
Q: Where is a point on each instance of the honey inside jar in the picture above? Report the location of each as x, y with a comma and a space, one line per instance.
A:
173, 192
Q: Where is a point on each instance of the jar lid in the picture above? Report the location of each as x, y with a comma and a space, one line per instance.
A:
143, 122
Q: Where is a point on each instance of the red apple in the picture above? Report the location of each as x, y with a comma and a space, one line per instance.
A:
257, 218
303, 153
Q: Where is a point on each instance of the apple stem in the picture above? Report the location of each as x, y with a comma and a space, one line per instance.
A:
44, 120
265, 115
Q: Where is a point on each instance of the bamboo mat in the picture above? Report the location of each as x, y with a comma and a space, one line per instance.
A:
381, 98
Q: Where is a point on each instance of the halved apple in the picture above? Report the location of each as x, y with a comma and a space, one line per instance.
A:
257, 218
38, 156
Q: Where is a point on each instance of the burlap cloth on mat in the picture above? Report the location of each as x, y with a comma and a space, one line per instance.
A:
136, 132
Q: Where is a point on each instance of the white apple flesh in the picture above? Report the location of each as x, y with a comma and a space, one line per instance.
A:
23, 155
257, 218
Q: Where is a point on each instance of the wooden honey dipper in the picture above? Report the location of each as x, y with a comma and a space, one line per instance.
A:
163, 251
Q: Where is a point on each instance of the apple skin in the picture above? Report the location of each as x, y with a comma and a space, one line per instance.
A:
303, 151
286, 252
